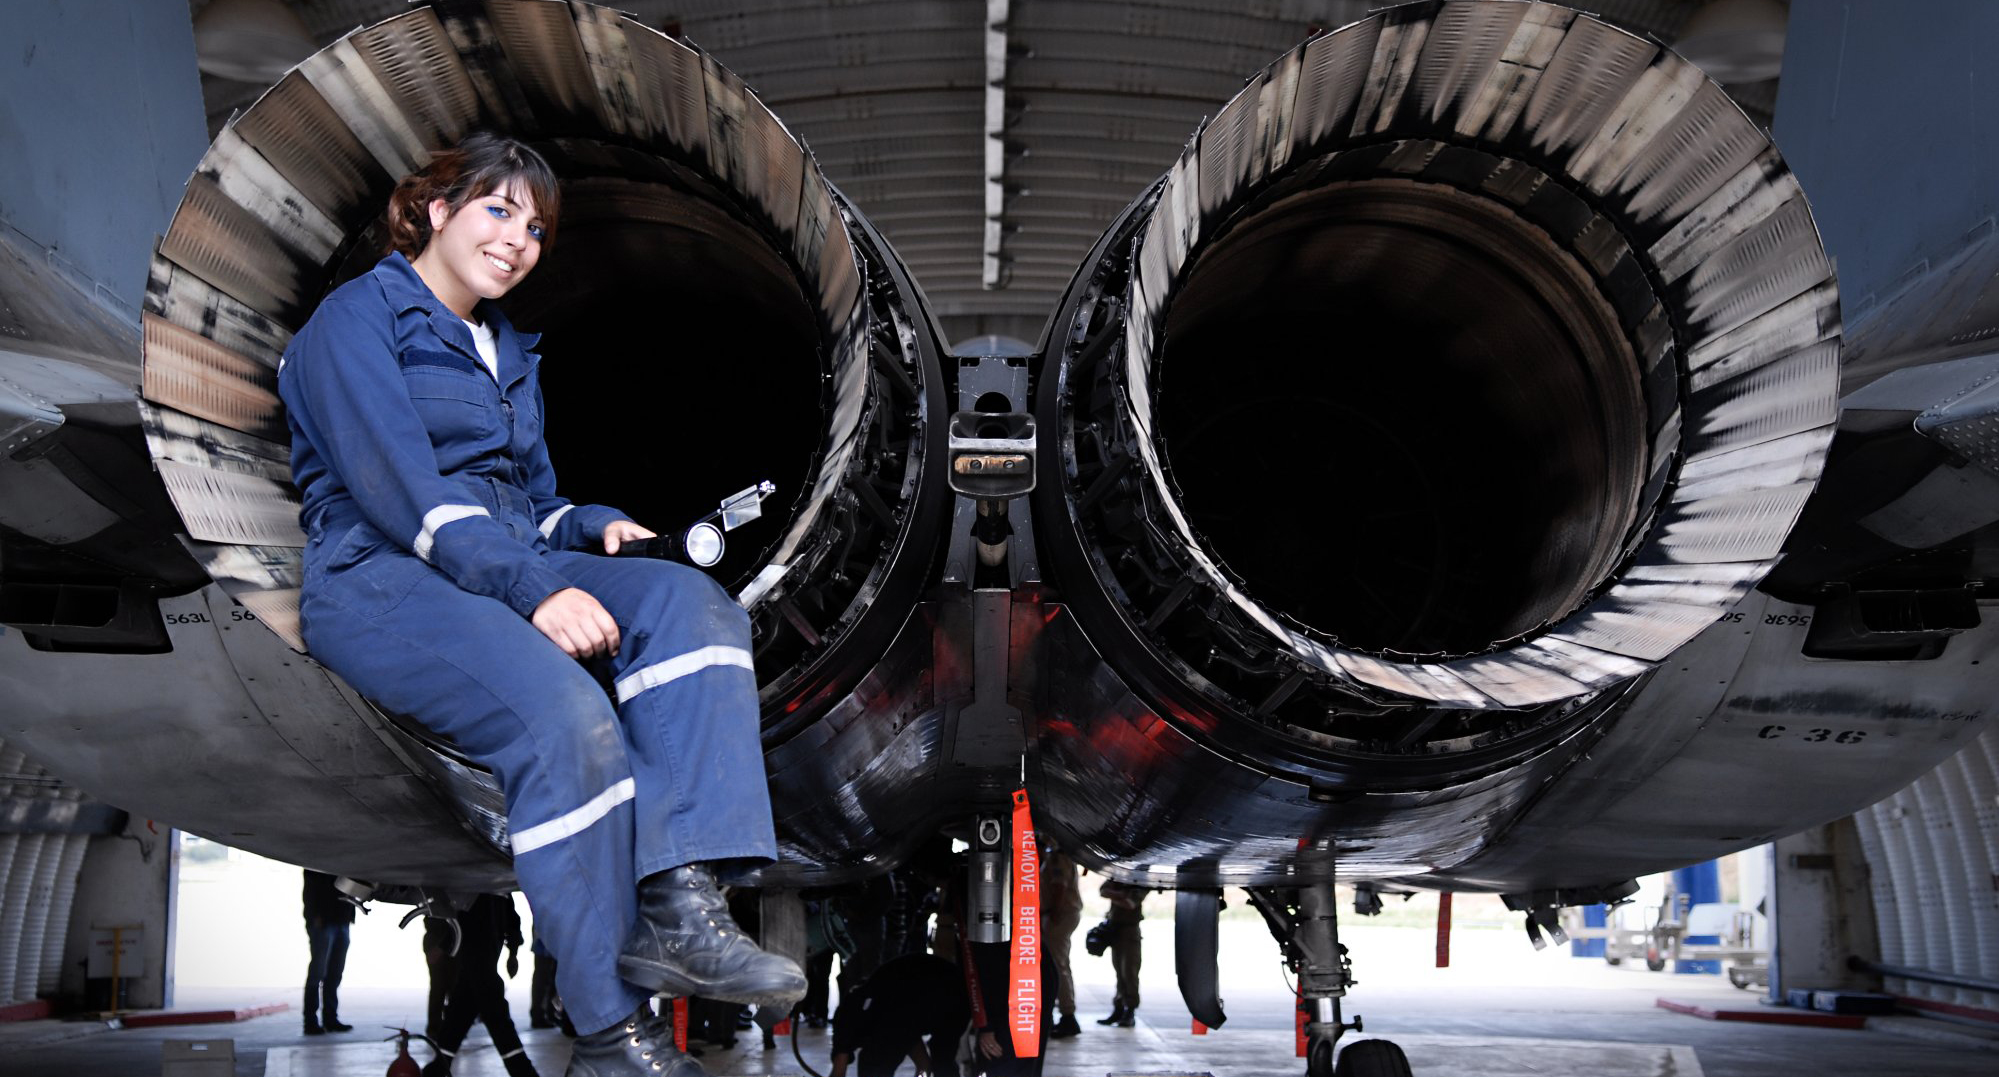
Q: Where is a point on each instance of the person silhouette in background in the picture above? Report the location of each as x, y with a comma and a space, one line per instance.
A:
478, 993
328, 917
442, 961
544, 1003
915, 1006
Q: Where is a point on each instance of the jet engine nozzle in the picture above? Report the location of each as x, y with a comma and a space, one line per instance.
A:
1473, 358
711, 312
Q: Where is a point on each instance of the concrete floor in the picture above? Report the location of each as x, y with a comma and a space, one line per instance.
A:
1501, 1010
1133, 1053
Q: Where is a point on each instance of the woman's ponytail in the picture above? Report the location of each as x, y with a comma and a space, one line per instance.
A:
409, 210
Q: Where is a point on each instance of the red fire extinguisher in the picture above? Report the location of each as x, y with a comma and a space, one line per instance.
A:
404, 1065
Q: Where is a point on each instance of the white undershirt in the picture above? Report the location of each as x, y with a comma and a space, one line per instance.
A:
482, 339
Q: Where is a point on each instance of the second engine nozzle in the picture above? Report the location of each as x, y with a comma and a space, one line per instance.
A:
1472, 359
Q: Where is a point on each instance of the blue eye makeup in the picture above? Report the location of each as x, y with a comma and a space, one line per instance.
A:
500, 213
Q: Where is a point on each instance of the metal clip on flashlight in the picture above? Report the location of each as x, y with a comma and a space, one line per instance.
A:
702, 544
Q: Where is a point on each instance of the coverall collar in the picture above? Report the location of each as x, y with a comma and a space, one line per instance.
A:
407, 292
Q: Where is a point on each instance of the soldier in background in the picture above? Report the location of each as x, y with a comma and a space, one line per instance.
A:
1125, 900
1062, 891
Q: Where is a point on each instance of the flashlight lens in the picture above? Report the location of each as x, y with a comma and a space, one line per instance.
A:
704, 544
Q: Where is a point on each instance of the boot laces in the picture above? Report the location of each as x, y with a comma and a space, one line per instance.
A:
712, 906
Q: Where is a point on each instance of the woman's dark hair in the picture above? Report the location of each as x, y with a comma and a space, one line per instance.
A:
478, 166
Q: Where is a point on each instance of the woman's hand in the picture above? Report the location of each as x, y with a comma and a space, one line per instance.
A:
619, 532
577, 623
989, 1045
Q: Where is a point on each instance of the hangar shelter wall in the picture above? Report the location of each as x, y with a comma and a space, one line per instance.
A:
1933, 870
72, 869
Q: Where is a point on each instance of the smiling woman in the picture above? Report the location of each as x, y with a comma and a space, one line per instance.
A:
448, 580
714, 315
416, 544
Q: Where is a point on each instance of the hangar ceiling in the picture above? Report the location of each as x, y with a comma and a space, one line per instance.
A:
1095, 100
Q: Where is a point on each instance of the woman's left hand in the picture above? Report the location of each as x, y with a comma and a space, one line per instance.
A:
619, 532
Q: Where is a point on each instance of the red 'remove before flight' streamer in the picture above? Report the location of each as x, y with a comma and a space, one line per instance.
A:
1024, 1013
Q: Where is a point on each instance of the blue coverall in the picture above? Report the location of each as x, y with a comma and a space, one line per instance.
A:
433, 531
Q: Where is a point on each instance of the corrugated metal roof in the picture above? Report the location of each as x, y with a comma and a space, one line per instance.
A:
890, 95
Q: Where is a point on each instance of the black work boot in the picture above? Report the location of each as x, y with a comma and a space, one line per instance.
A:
686, 944
630, 1048
518, 1064
329, 1010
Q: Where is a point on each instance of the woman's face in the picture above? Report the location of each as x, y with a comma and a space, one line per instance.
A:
482, 250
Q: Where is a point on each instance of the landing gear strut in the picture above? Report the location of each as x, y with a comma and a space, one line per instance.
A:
1305, 922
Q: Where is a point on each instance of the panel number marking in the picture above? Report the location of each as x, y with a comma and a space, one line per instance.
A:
1812, 736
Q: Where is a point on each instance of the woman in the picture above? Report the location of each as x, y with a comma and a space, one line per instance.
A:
445, 580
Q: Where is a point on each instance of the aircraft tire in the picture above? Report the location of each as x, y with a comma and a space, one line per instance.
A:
1319, 1059
1373, 1058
